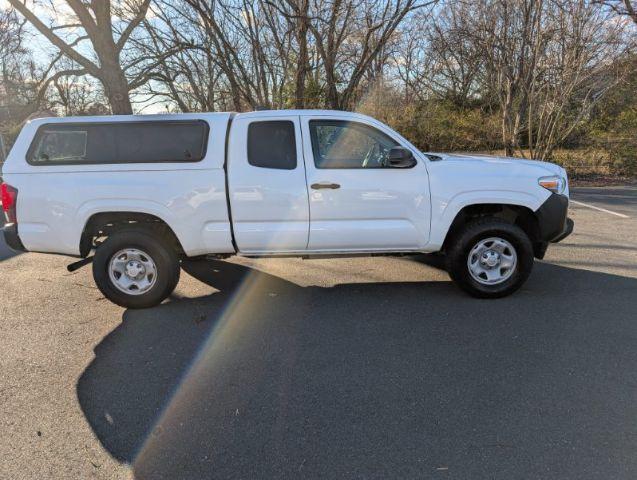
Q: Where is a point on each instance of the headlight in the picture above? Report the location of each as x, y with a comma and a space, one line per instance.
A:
554, 184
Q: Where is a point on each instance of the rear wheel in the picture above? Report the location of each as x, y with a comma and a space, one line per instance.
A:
490, 258
135, 270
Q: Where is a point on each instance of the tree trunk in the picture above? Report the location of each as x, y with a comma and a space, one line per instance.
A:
112, 76
507, 127
116, 90
301, 68
507, 134
331, 95
236, 94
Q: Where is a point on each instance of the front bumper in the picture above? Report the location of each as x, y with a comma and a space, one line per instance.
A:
10, 231
553, 223
568, 229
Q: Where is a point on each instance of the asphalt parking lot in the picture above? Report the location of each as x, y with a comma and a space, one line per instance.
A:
355, 368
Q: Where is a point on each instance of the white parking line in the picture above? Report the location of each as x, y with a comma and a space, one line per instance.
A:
621, 215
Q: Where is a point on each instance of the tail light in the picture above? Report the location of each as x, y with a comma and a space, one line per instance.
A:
9, 197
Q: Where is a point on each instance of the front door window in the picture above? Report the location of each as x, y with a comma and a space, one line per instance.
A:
343, 144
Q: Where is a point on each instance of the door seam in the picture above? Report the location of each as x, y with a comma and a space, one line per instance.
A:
307, 190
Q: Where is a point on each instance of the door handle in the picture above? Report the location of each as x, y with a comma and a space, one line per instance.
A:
320, 185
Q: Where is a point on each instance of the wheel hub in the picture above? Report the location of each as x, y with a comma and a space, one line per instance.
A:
132, 271
490, 259
135, 269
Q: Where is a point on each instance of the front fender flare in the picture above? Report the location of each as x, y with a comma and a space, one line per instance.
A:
444, 211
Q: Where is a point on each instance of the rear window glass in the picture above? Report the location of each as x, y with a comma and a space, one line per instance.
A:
121, 142
272, 145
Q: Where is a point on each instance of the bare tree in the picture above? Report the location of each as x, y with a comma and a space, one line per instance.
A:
106, 37
251, 44
510, 38
579, 66
20, 76
73, 94
349, 36
622, 7
542, 63
190, 78
456, 63
297, 14
525, 75
266, 53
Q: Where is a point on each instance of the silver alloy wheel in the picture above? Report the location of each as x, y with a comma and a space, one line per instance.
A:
132, 271
492, 261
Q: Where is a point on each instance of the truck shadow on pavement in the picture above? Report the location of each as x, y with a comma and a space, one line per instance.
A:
267, 379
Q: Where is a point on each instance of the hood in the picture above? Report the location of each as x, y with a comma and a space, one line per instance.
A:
550, 168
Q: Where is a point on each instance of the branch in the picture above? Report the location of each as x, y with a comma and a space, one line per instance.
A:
54, 39
70, 25
55, 77
141, 14
87, 21
147, 72
630, 10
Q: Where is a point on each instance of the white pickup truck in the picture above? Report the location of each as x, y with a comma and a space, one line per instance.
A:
143, 192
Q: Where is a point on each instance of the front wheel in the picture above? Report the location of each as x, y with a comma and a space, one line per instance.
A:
134, 269
490, 258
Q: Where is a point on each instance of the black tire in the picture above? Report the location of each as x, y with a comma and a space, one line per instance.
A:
164, 257
470, 235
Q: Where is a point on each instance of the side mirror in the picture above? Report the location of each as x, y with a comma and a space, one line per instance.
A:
401, 157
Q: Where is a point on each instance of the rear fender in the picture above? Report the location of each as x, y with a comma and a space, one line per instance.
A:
88, 209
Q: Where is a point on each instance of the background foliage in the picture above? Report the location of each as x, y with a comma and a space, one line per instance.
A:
547, 79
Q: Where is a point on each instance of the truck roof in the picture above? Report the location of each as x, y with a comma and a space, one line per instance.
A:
199, 115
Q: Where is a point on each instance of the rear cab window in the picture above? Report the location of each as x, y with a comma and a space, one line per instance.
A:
119, 142
272, 144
